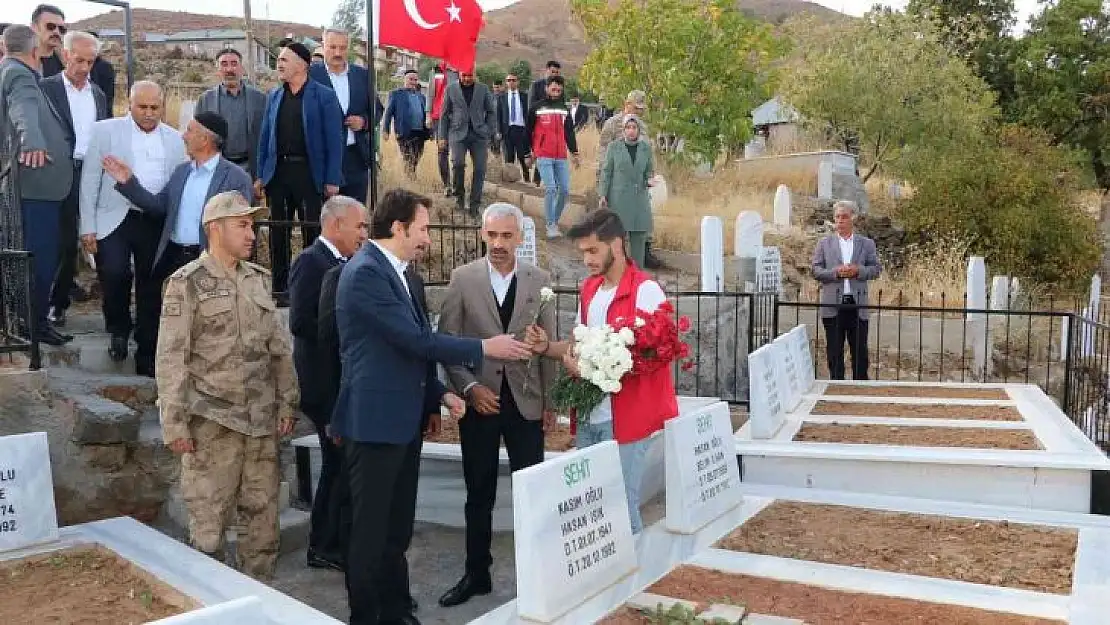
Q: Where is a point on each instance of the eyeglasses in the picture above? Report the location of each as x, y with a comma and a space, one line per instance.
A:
61, 28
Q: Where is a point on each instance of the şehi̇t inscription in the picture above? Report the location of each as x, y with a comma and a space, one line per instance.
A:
587, 534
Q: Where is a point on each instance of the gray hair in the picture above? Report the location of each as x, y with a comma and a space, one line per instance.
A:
20, 39
145, 84
338, 205
847, 205
334, 31
497, 210
74, 36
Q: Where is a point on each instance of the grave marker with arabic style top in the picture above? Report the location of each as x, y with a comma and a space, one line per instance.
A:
703, 474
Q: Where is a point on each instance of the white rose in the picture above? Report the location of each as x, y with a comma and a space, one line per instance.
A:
627, 336
546, 294
640, 322
580, 333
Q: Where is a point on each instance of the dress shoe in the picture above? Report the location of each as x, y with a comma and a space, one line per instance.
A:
144, 368
117, 351
407, 619
50, 336
78, 294
319, 561
469, 586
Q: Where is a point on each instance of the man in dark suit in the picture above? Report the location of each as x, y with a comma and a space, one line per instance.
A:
300, 155
103, 75
80, 103
512, 110
351, 84
343, 221
578, 114
389, 388
468, 122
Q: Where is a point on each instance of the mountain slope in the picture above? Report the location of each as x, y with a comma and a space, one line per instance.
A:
166, 22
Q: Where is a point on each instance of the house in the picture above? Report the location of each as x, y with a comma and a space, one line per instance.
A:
776, 122
208, 43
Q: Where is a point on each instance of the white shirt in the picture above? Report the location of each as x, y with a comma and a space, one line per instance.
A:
847, 246
342, 85
500, 283
649, 297
149, 156
398, 265
82, 109
514, 101
334, 250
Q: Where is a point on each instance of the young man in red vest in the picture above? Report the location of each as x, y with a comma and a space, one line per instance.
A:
442, 76
616, 288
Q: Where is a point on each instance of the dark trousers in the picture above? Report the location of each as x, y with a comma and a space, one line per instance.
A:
331, 505
40, 238
383, 480
516, 148
480, 436
356, 175
443, 157
477, 147
136, 239
846, 326
174, 257
67, 246
293, 196
412, 149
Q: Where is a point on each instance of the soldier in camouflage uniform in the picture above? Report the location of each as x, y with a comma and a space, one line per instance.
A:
226, 388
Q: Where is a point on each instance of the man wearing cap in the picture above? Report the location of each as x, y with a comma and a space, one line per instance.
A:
300, 154
182, 200
226, 388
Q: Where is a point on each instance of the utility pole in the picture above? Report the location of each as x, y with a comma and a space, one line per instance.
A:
372, 65
250, 40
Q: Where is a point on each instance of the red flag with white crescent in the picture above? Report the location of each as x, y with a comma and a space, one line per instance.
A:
447, 29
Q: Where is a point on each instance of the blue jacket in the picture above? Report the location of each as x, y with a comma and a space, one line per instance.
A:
389, 351
325, 135
358, 79
399, 111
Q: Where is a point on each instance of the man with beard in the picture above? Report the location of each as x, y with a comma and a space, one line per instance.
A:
241, 104
469, 122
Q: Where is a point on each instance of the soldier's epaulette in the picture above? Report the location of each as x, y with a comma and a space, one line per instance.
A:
186, 271
259, 268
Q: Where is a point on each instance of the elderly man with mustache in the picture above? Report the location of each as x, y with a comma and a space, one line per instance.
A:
241, 104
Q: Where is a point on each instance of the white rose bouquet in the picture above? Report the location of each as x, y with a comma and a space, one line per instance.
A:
603, 356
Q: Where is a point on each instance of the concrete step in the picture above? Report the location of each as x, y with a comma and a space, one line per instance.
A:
88, 352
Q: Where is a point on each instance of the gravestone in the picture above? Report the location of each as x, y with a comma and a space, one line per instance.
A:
1095, 296
27, 513
803, 357
790, 378
185, 114
702, 470
782, 206
527, 249
571, 529
1090, 313
768, 271
712, 254
749, 235
976, 322
825, 180
658, 192
1000, 293
766, 413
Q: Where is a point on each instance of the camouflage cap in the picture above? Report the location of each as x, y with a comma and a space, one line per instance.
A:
637, 98
227, 204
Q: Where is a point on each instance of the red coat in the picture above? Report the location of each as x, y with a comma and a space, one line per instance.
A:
644, 401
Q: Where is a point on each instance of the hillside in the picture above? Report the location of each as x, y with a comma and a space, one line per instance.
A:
156, 21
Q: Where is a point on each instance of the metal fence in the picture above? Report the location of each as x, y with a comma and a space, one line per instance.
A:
17, 321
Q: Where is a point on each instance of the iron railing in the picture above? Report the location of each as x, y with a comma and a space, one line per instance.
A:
17, 319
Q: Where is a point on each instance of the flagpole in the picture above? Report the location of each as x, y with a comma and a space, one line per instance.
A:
372, 63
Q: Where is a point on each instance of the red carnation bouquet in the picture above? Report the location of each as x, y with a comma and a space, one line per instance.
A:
658, 339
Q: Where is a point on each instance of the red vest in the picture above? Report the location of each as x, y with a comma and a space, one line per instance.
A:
644, 401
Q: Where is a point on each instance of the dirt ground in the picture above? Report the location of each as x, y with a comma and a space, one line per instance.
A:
984, 552
84, 586
918, 411
556, 439
917, 391
915, 436
816, 605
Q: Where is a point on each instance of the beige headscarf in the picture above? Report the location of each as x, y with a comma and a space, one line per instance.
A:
632, 117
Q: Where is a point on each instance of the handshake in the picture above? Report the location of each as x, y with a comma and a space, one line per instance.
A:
507, 347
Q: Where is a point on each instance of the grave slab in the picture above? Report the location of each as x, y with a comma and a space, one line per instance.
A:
767, 412
27, 513
748, 237
712, 254
782, 205
702, 471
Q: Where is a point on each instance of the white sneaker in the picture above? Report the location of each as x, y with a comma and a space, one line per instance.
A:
553, 232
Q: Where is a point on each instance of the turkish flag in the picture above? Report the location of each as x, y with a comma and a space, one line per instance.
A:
446, 29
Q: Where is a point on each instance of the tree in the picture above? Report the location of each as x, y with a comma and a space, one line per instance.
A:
523, 71
349, 16
703, 64
489, 72
574, 89
1063, 79
888, 82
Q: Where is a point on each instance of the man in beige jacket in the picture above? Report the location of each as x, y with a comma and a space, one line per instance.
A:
491, 296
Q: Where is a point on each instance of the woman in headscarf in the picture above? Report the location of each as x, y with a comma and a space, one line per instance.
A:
625, 178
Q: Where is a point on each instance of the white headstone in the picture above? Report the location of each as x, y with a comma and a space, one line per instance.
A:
185, 114
766, 411
782, 206
712, 254
571, 529
658, 192
768, 271
1087, 333
1095, 297
824, 180
27, 514
803, 357
702, 470
790, 378
1000, 293
894, 191
976, 287
527, 249
749, 235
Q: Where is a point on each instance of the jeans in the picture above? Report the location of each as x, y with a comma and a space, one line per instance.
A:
555, 173
633, 457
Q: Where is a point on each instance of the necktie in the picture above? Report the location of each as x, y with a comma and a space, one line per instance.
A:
512, 108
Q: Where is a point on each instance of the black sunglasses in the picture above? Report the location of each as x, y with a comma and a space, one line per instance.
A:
61, 28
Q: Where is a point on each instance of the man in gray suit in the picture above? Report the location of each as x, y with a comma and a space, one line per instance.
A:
468, 121
843, 263
496, 295
36, 130
242, 105
118, 231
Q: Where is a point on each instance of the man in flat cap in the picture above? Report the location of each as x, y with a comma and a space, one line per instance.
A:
182, 200
300, 155
226, 388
